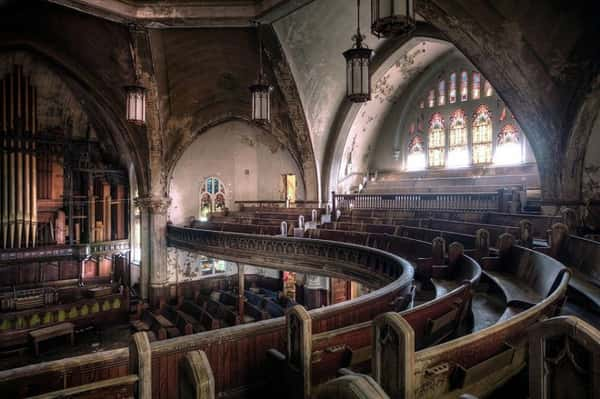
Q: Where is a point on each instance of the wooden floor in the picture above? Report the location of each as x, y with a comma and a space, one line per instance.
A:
92, 340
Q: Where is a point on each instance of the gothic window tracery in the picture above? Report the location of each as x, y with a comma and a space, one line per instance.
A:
437, 141
458, 152
212, 196
416, 159
464, 86
452, 95
508, 146
482, 135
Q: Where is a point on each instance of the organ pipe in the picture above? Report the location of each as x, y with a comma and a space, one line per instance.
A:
19, 178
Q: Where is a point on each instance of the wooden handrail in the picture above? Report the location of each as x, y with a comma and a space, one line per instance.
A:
484, 201
68, 392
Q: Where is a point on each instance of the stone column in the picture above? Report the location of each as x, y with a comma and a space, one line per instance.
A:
153, 271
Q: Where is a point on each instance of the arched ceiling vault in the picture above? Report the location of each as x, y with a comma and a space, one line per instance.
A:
541, 57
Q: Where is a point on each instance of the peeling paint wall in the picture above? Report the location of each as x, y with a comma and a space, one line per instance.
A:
184, 266
57, 106
247, 160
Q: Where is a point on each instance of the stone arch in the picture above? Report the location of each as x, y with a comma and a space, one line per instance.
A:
96, 101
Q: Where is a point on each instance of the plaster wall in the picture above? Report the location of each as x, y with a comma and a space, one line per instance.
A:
248, 161
590, 186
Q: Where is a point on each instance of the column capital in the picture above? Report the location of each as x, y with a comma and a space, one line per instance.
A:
158, 205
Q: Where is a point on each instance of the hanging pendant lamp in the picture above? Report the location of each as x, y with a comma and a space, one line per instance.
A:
358, 62
260, 92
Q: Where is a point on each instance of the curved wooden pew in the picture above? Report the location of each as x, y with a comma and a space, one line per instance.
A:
582, 256
237, 354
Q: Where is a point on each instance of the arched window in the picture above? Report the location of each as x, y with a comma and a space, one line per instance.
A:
431, 98
458, 152
482, 135
452, 95
416, 154
487, 89
464, 86
476, 92
212, 197
442, 92
437, 141
508, 146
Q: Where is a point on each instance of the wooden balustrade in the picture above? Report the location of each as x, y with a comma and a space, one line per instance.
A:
479, 202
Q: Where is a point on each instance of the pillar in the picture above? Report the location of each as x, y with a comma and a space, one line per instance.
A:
241, 290
153, 271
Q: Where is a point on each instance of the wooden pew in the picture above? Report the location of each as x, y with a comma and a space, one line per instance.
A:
206, 320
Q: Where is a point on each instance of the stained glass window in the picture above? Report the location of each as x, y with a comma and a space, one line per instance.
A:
487, 89
452, 95
437, 141
416, 154
482, 135
508, 146
212, 197
431, 98
464, 86
476, 92
458, 152
442, 92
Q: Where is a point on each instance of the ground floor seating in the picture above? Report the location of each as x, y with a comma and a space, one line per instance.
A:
582, 256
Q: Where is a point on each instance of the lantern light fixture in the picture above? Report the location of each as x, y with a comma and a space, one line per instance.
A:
358, 61
135, 111
260, 92
135, 107
392, 17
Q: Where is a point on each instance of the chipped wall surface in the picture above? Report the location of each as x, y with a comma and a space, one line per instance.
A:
57, 106
184, 266
388, 84
394, 132
591, 167
247, 160
314, 39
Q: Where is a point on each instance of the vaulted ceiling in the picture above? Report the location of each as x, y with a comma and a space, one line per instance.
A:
542, 57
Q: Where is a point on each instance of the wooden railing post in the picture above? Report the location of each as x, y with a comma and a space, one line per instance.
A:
438, 250
526, 233
196, 379
482, 243
333, 204
140, 363
559, 234
393, 358
569, 218
576, 356
299, 345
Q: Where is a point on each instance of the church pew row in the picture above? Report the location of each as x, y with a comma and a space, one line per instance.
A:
438, 224
541, 223
582, 256
237, 354
15, 326
475, 363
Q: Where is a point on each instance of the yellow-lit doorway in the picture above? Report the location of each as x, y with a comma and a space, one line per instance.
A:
289, 183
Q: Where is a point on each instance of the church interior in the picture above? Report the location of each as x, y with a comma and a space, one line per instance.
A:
299, 199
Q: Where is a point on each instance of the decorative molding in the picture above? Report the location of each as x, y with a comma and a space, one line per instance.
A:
156, 205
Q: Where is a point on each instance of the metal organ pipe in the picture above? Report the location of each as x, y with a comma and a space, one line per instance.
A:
19, 177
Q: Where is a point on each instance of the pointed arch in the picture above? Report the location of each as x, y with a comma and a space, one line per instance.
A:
437, 141
508, 146
458, 151
482, 135
416, 159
